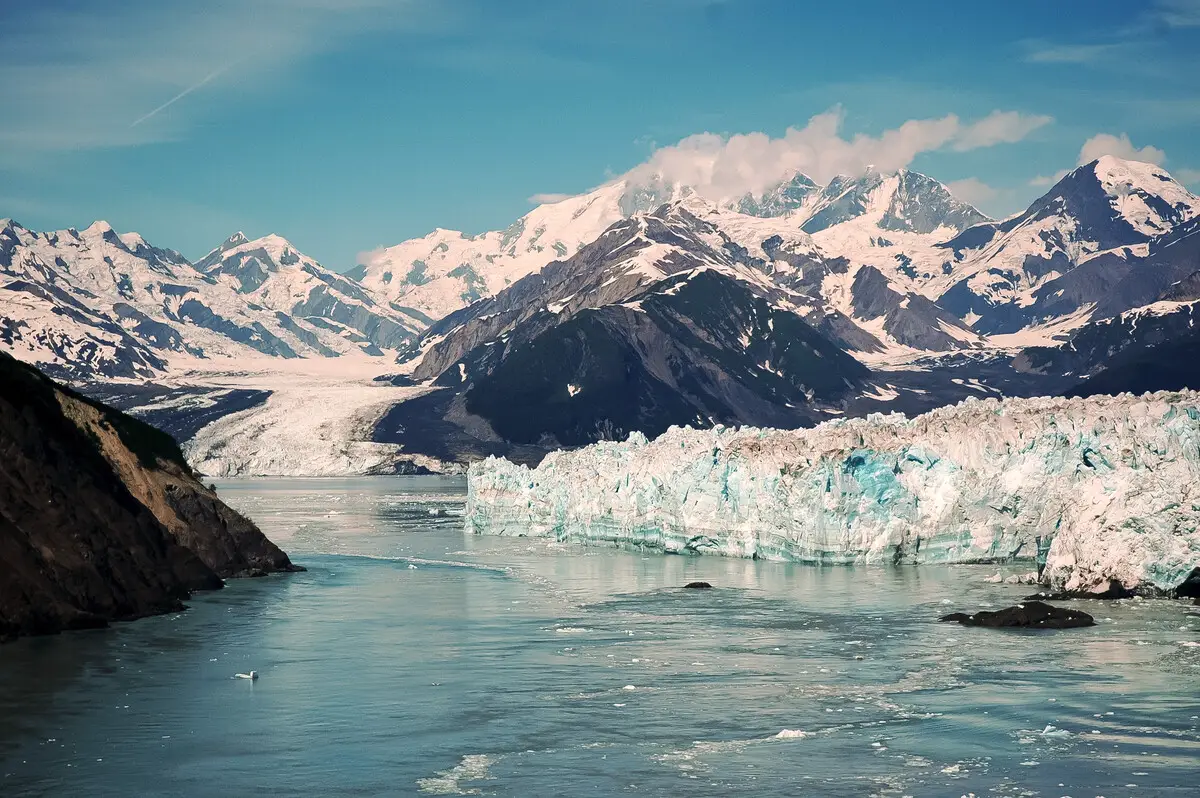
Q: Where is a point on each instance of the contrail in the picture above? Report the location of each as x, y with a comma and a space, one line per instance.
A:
180, 95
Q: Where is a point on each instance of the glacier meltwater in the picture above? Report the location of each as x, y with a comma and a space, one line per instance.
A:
1094, 490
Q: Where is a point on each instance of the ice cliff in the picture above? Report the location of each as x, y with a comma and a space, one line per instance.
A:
1095, 489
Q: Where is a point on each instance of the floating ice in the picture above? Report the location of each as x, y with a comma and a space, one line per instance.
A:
474, 767
1099, 488
791, 734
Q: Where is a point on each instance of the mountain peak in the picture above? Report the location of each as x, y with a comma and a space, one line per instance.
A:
97, 228
1119, 201
272, 241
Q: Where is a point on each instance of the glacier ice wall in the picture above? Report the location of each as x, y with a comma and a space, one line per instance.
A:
1099, 488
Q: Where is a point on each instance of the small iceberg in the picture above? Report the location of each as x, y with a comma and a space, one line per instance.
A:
252, 676
1054, 731
791, 734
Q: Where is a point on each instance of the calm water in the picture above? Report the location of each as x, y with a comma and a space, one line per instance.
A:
413, 660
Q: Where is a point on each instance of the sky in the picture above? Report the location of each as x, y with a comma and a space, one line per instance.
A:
345, 125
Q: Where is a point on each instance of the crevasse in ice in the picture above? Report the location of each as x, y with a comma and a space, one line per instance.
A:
1096, 489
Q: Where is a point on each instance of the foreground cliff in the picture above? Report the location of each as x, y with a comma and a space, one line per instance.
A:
100, 517
1096, 489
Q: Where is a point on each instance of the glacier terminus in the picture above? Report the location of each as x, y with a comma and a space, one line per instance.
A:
1092, 490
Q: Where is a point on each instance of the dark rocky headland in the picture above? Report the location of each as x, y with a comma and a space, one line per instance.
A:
101, 519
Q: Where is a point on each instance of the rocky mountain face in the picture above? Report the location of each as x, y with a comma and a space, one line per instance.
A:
100, 517
665, 319
905, 202
1072, 247
1150, 348
98, 304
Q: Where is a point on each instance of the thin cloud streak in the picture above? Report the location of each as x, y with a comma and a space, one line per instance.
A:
203, 82
75, 77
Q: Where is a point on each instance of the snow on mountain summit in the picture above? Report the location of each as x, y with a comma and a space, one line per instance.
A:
1144, 194
447, 270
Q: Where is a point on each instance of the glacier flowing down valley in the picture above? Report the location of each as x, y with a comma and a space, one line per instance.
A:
1094, 490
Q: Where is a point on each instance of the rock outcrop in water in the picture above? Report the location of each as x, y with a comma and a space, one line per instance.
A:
1030, 615
100, 517
1093, 490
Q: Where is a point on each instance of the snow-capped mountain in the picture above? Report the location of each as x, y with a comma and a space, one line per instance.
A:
271, 272
1143, 346
688, 314
98, 304
901, 202
789, 195
637, 306
447, 270
1108, 208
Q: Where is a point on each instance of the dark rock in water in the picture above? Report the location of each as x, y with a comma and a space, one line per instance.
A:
1114, 590
1190, 587
1031, 614
697, 586
100, 517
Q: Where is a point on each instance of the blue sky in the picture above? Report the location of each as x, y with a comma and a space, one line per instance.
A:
344, 125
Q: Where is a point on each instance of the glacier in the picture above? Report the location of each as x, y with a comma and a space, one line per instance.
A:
1092, 490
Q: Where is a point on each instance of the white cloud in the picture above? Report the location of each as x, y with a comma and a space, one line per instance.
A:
545, 199
1043, 181
998, 127
972, 190
720, 166
1189, 176
1119, 146
91, 76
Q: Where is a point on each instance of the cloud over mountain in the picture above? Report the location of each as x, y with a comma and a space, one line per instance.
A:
1107, 144
721, 166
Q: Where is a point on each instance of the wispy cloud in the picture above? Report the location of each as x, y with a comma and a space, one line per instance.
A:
1132, 47
973, 190
1045, 181
721, 166
1042, 52
100, 75
1178, 13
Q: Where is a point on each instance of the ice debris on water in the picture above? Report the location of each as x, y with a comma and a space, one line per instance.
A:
1097, 489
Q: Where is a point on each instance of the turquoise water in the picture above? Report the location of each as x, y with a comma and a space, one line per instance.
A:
412, 659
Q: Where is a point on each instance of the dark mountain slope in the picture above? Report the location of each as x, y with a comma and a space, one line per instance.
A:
696, 351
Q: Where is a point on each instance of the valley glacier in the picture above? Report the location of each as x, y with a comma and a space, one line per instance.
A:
1097, 489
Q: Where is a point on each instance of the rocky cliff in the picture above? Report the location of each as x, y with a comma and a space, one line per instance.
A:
100, 517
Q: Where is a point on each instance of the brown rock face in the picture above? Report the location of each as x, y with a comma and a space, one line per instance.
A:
100, 517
